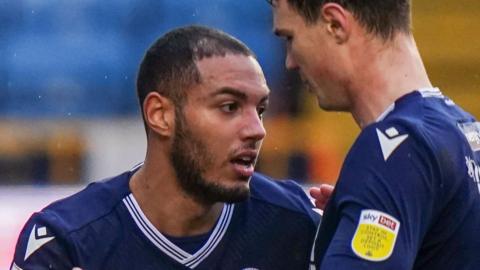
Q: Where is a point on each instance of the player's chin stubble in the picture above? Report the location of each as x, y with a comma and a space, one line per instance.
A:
190, 159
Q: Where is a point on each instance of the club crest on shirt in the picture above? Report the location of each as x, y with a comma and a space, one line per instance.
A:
472, 133
375, 236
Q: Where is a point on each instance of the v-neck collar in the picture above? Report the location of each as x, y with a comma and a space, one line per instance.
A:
170, 249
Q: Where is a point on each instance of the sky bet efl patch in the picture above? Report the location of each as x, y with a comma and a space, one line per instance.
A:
375, 236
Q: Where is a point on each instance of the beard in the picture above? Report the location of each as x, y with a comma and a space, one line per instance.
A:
191, 159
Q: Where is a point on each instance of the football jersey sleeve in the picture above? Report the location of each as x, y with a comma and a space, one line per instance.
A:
382, 204
41, 246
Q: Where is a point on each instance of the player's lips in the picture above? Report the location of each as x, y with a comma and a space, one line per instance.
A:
244, 162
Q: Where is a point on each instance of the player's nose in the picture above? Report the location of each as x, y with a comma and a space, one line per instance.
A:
253, 128
290, 62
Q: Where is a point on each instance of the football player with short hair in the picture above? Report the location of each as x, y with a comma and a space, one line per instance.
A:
195, 202
408, 194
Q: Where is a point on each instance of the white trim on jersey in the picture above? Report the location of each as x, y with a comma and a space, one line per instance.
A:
312, 252
169, 248
138, 165
425, 92
386, 112
430, 92
15, 267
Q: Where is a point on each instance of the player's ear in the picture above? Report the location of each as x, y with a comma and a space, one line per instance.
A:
338, 21
159, 114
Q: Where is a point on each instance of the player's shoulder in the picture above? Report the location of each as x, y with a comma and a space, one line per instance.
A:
422, 119
286, 194
93, 202
426, 112
52, 233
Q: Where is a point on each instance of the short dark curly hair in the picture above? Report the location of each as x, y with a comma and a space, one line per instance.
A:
169, 66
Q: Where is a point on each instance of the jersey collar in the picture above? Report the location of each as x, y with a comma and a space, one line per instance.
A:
170, 249
426, 92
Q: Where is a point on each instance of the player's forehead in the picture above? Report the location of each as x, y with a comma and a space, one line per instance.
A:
233, 71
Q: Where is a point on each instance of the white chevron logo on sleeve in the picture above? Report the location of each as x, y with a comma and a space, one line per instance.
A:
15, 267
34, 243
389, 144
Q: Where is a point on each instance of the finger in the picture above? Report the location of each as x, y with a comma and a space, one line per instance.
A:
326, 190
315, 192
320, 204
322, 193
318, 199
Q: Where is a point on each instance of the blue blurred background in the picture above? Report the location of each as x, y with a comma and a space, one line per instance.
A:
79, 58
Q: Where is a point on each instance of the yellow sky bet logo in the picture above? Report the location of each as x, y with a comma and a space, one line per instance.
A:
375, 236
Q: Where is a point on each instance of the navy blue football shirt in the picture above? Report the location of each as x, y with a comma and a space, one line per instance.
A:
103, 227
408, 196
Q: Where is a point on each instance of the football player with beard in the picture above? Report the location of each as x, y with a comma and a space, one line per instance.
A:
195, 202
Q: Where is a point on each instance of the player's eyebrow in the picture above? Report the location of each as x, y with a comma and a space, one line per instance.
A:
230, 91
238, 94
265, 101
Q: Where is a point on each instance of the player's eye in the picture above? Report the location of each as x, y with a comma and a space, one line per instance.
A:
229, 107
261, 111
288, 40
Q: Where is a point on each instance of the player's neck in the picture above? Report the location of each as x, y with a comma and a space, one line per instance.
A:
167, 207
387, 72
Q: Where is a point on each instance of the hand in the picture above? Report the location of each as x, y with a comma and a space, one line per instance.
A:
321, 195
